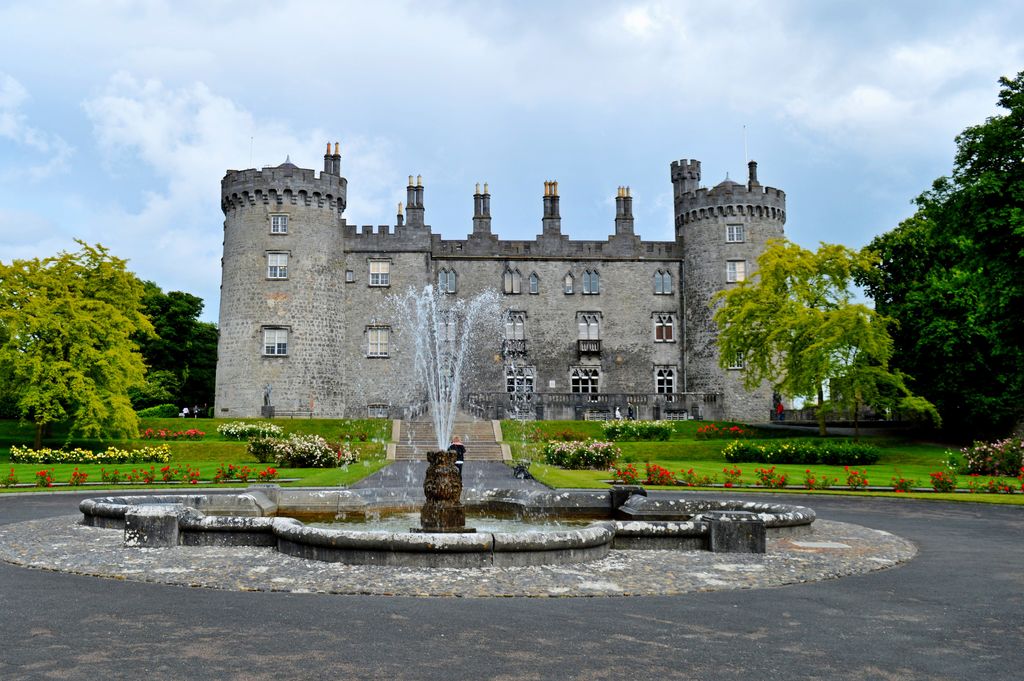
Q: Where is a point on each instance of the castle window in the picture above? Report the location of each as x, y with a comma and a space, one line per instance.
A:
736, 362
665, 380
662, 283
735, 271
734, 234
515, 325
350, 276
377, 341
519, 379
584, 380
591, 282
449, 328
664, 327
278, 224
277, 265
446, 281
377, 411
589, 324
275, 342
534, 284
380, 273
569, 281
513, 281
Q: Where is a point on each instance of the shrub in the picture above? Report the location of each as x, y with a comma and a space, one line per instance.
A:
802, 452
1003, 457
77, 478
637, 430
732, 476
268, 474
713, 431
767, 477
901, 484
691, 479
943, 481
232, 472
302, 451
158, 453
856, 480
160, 411
9, 480
656, 475
243, 430
581, 454
44, 478
812, 481
626, 475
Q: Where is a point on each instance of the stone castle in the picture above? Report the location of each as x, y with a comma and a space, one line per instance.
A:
588, 327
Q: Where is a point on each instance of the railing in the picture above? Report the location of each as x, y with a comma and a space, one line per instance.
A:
589, 346
546, 405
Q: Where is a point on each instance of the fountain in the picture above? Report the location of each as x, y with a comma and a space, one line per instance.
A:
440, 329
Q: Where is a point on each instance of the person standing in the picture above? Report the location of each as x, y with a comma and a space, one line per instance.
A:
460, 453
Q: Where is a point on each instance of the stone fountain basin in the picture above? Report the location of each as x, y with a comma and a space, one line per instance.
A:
260, 516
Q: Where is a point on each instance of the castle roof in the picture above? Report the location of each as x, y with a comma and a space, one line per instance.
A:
727, 185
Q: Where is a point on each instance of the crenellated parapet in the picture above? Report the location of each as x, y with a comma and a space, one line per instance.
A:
398, 238
285, 184
614, 248
732, 199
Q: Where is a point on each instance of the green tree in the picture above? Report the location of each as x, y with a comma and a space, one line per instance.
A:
951, 275
181, 355
67, 325
794, 324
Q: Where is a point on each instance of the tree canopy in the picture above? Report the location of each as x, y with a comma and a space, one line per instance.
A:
951, 275
795, 324
181, 355
66, 328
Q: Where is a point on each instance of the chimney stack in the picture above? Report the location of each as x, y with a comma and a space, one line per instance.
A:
481, 211
624, 213
552, 220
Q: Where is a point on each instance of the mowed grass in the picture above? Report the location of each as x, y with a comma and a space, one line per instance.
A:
908, 459
367, 436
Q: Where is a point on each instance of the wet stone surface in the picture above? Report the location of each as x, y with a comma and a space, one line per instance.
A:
833, 550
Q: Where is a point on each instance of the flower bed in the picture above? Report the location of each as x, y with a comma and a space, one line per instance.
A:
156, 454
167, 434
579, 454
243, 430
637, 430
302, 451
712, 432
803, 452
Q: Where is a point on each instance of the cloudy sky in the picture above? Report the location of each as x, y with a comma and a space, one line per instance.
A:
118, 118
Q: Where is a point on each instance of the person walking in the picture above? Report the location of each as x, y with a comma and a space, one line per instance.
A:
460, 453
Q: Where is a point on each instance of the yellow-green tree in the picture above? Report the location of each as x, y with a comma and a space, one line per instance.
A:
795, 324
66, 324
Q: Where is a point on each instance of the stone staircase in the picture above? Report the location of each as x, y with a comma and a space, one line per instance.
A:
416, 438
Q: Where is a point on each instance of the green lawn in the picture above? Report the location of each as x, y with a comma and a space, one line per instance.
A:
899, 458
367, 436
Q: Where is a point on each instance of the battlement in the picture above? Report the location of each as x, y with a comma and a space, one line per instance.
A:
283, 184
685, 169
731, 199
386, 238
614, 247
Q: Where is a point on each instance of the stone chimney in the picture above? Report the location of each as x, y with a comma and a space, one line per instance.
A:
414, 202
552, 220
481, 211
624, 213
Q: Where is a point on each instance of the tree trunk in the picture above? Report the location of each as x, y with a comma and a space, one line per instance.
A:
822, 430
39, 435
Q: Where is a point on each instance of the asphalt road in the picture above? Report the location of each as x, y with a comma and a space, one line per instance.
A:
954, 612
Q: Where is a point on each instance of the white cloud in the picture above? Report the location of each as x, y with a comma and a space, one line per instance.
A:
188, 137
14, 127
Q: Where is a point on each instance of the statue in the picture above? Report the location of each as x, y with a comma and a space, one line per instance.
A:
266, 395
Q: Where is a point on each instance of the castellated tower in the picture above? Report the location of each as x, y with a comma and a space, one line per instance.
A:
281, 293
721, 231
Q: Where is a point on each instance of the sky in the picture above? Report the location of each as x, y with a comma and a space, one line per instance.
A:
119, 118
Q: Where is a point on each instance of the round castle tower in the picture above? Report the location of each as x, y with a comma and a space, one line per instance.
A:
722, 231
281, 290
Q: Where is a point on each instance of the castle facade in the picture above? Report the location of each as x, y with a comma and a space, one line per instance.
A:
588, 326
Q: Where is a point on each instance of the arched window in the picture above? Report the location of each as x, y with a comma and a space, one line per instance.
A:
512, 281
569, 282
534, 283
591, 282
662, 282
